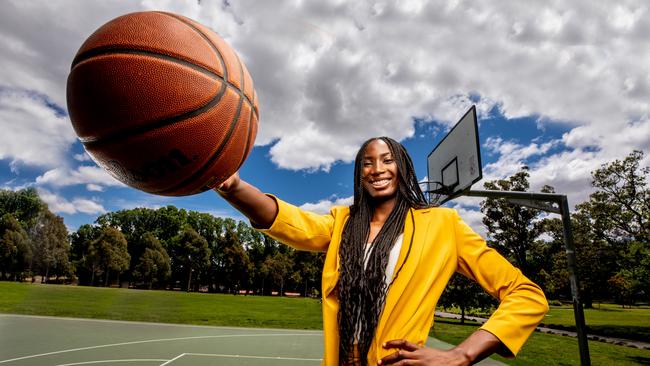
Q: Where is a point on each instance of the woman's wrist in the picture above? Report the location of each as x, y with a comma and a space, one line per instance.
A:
462, 355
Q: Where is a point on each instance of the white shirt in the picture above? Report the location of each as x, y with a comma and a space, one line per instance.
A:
392, 258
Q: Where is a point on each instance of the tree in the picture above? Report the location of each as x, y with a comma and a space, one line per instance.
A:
260, 247
15, 252
621, 204
109, 253
596, 259
190, 252
308, 266
154, 264
278, 268
514, 230
465, 294
50, 246
80, 242
25, 205
618, 213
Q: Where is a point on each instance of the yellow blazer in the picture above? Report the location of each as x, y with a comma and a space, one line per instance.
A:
438, 245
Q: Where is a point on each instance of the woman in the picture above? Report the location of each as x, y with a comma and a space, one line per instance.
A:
389, 257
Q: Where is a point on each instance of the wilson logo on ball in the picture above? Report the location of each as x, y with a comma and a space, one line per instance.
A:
171, 163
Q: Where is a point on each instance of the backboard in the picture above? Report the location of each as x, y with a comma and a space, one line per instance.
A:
455, 163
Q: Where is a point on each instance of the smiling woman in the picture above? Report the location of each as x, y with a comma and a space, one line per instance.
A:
389, 257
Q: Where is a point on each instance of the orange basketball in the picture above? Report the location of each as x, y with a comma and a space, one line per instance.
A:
162, 103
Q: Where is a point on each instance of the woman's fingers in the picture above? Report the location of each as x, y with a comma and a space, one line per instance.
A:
396, 358
401, 344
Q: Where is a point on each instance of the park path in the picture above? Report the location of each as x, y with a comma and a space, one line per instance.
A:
566, 333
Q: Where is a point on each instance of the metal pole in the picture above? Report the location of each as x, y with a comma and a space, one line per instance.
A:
563, 203
578, 312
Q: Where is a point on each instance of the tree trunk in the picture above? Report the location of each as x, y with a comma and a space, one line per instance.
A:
189, 280
106, 281
47, 275
462, 316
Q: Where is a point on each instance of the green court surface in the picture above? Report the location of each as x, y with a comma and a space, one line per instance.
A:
42, 341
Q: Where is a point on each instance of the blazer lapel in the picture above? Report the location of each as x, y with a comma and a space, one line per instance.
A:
406, 264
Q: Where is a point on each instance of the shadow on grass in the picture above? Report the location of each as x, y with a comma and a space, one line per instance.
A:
635, 333
641, 360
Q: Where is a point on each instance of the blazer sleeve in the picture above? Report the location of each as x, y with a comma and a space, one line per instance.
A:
300, 229
522, 303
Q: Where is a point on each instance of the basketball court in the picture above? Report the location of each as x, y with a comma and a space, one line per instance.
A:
38, 340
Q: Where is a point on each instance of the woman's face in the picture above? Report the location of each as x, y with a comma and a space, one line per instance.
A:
379, 171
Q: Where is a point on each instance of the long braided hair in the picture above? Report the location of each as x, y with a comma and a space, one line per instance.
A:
362, 292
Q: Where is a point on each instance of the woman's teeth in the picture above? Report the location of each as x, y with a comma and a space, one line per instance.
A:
380, 183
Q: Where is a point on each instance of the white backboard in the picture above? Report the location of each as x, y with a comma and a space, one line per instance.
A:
455, 163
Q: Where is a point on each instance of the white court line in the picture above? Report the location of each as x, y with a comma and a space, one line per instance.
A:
173, 359
4, 315
111, 361
157, 340
254, 357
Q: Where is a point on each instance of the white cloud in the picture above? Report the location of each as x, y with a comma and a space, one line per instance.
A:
323, 206
93, 176
472, 216
94, 187
330, 74
82, 157
568, 170
59, 204
32, 132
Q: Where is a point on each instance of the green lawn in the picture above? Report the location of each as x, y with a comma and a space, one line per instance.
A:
547, 349
256, 311
160, 306
606, 319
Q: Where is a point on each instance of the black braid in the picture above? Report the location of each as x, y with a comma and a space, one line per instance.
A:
362, 293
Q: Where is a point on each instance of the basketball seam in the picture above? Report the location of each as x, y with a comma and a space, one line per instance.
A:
103, 51
248, 140
216, 49
128, 132
205, 38
214, 156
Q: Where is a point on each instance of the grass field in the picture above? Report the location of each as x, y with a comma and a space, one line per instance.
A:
604, 319
272, 312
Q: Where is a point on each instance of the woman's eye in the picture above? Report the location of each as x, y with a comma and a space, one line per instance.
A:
388, 161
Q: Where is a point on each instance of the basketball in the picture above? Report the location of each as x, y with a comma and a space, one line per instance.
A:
162, 103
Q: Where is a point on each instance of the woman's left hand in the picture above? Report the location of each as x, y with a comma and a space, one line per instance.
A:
412, 354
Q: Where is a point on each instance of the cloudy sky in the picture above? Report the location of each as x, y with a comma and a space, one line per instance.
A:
561, 87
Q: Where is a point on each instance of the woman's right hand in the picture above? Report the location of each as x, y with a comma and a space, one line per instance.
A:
258, 207
229, 184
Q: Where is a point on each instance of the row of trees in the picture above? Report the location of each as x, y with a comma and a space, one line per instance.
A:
32, 239
161, 248
175, 248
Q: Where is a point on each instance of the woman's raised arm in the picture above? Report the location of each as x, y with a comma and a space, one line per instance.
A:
258, 207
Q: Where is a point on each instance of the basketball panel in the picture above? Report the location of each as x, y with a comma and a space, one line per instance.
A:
164, 157
109, 94
155, 32
224, 164
227, 53
248, 83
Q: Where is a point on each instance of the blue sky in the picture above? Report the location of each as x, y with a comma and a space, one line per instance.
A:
554, 85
